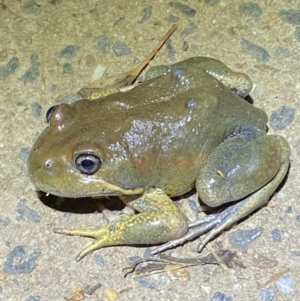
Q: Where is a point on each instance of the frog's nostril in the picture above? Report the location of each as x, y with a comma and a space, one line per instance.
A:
48, 163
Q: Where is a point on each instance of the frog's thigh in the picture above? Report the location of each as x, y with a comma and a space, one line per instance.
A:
159, 220
238, 168
236, 81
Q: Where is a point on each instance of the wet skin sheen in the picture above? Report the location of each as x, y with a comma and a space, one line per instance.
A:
186, 126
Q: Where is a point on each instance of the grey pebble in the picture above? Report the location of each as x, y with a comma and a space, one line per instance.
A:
211, 2
285, 284
185, 9
251, 9
34, 298
289, 209
5, 222
276, 235
26, 213
33, 72
95, 13
173, 19
31, 8
193, 207
170, 48
296, 253
67, 68
218, 296
119, 21
54, 2
257, 52
241, 239
133, 259
9, 68
146, 13
37, 109
99, 260
291, 16
20, 262
282, 117
24, 153
298, 218
189, 30
120, 48
103, 43
145, 283
267, 294
282, 53
69, 51
297, 33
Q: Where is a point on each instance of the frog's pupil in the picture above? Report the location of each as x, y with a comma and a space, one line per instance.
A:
87, 164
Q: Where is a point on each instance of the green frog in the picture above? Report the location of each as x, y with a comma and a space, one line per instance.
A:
187, 125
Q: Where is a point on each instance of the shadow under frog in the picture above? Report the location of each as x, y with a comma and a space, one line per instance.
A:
187, 125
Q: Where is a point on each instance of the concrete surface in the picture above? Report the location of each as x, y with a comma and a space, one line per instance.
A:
49, 50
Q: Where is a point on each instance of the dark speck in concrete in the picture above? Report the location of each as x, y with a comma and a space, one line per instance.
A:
185, 9
69, 51
173, 19
289, 209
67, 68
37, 109
189, 30
296, 253
21, 262
9, 68
33, 72
241, 239
146, 13
211, 2
54, 2
99, 260
31, 8
298, 218
251, 9
276, 235
291, 16
145, 283
95, 13
282, 53
24, 153
103, 43
218, 296
268, 294
120, 48
34, 298
282, 118
170, 48
4, 222
119, 21
257, 52
26, 213
297, 33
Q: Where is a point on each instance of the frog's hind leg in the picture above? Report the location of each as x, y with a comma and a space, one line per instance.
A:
214, 224
158, 220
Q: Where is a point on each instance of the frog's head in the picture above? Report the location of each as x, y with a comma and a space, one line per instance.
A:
72, 157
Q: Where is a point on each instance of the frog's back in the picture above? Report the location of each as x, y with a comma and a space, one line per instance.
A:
167, 126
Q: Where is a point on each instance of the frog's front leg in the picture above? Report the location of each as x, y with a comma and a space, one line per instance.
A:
236, 170
158, 220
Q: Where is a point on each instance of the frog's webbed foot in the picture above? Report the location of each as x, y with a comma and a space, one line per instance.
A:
268, 178
159, 220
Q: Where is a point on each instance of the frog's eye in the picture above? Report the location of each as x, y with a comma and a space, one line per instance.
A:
88, 163
50, 112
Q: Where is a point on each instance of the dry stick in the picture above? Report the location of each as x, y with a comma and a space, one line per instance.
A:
132, 74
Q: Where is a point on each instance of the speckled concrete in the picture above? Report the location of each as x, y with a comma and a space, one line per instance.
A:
49, 49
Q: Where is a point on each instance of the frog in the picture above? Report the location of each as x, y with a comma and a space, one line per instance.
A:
185, 126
